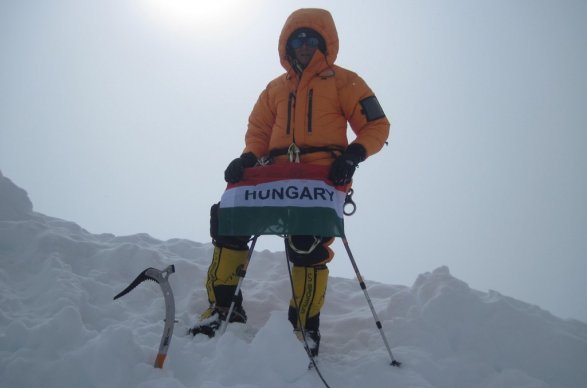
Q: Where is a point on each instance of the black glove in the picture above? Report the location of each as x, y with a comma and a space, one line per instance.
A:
343, 167
236, 169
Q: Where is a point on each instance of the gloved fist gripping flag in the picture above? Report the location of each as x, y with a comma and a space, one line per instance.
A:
283, 199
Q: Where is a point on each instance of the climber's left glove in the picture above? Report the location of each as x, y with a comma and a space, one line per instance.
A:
343, 167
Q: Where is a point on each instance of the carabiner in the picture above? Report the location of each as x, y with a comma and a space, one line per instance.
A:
293, 153
348, 201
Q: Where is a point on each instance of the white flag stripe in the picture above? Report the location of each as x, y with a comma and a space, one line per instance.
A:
285, 193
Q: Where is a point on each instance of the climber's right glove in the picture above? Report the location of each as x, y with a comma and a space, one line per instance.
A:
236, 169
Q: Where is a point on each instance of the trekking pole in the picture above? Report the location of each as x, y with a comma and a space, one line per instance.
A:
241, 272
394, 362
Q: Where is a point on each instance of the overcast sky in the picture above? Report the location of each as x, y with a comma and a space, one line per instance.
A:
122, 115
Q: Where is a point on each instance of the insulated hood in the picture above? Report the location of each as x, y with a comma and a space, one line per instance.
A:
317, 19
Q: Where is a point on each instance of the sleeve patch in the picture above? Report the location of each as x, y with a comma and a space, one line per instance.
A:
371, 108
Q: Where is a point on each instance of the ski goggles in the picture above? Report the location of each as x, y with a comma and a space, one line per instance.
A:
310, 41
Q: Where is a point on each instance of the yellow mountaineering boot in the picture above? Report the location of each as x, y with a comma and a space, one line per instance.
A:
309, 284
221, 286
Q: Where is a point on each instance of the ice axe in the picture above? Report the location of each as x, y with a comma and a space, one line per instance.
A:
160, 277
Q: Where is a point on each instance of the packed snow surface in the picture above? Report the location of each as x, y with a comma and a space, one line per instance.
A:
59, 326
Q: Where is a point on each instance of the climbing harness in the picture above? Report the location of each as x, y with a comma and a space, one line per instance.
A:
317, 241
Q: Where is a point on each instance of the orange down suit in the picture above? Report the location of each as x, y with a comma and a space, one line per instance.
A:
312, 109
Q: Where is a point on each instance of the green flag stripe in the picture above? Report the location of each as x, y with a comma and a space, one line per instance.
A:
243, 221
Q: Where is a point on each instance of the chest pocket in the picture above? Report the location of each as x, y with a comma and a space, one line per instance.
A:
283, 106
324, 116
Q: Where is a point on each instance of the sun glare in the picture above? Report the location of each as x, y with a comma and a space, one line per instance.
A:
193, 15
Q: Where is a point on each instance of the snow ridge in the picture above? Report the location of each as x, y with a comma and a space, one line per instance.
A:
59, 326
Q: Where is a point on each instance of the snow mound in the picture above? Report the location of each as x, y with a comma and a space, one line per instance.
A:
14, 201
59, 326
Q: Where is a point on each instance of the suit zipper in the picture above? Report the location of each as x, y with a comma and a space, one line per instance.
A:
310, 98
290, 102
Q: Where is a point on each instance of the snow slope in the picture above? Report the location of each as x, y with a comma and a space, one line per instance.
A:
59, 326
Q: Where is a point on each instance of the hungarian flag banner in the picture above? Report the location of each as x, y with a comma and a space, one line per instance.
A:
283, 199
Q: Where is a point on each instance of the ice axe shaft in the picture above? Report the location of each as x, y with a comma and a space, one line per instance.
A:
160, 277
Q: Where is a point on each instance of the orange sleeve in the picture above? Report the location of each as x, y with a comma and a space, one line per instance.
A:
261, 123
364, 114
